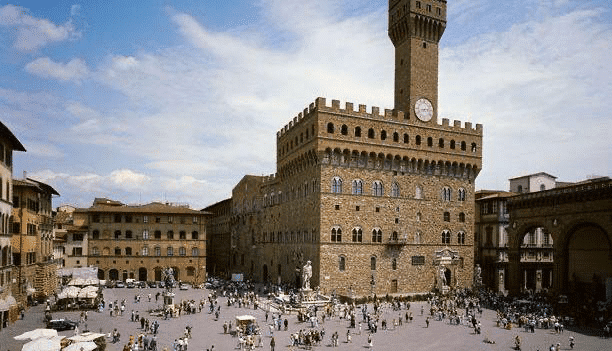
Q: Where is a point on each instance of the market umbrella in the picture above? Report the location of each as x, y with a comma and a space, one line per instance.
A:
81, 346
37, 333
44, 344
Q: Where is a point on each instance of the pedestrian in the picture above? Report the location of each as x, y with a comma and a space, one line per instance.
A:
370, 341
427, 322
272, 344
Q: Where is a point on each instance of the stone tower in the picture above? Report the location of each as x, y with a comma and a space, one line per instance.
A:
415, 28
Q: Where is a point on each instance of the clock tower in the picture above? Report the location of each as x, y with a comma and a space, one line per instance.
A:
415, 29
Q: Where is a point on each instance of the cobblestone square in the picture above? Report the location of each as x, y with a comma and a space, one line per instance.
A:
207, 331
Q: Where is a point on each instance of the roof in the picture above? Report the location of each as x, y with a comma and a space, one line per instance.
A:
493, 194
11, 138
153, 207
533, 175
33, 183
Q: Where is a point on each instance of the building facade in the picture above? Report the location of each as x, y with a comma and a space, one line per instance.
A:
379, 201
546, 236
138, 242
8, 304
32, 240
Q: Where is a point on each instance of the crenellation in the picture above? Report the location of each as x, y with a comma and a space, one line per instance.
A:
311, 107
457, 124
375, 112
445, 122
363, 109
335, 105
349, 107
388, 113
468, 125
479, 128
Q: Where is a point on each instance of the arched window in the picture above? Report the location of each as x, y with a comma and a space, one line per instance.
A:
144, 251
418, 216
417, 140
441, 143
170, 235
377, 188
446, 194
371, 133
195, 251
461, 238
395, 236
336, 185
128, 234
117, 234
418, 194
520, 189
542, 187
330, 128
157, 250
357, 187
336, 234
452, 145
96, 234
357, 235
117, 251
446, 216
182, 251
128, 251
194, 235
462, 217
395, 190
430, 141
169, 251
377, 235
446, 235
396, 137
461, 194
383, 135
341, 263
182, 235
463, 147
394, 264
417, 237
358, 132
406, 139
373, 263
157, 234
95, 251
344, 129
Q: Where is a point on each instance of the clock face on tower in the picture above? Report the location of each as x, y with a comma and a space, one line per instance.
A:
423, 110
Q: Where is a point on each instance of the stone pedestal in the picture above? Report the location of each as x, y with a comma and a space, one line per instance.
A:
168, 299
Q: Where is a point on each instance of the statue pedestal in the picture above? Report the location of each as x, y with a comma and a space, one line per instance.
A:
168, 299
445, 290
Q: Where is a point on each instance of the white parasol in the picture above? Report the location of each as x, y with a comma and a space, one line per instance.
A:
37, 333
44, 344
81, 346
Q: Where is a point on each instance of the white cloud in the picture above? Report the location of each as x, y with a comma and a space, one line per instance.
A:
540, 90
33, 33
44, 67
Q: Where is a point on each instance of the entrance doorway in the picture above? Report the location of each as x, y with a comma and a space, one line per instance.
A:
142, 274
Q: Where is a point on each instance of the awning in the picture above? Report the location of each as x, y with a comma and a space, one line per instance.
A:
4, 306
11, 301
30, 291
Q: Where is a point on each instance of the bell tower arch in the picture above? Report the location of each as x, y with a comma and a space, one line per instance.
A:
415, 29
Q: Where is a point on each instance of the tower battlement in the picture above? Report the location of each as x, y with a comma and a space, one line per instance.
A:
391, 115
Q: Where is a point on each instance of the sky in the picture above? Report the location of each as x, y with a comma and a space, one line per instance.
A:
167, 100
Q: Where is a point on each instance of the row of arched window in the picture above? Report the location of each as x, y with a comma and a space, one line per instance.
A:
342, 263
447, 194
303, 236
144, 251
446, 237
397, 138
118, 235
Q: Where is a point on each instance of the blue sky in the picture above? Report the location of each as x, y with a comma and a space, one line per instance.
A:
177, 100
